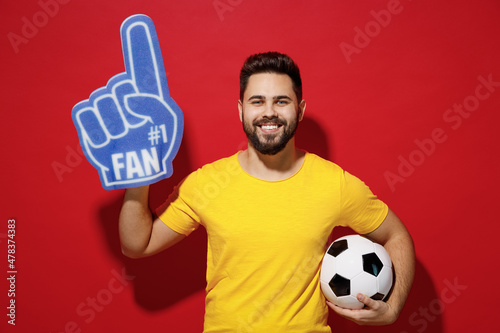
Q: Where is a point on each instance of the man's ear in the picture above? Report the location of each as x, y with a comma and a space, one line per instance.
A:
240, 109
302, 109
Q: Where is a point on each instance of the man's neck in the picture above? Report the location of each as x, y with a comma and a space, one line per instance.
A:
272, 167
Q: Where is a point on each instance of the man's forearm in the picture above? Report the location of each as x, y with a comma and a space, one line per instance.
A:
401, 251
136, 221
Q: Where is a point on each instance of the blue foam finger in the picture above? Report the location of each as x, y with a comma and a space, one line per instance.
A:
131, 129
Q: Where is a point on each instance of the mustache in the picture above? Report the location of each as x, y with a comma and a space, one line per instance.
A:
272, 120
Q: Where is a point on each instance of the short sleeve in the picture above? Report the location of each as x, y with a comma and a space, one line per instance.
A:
177, 212
361, 210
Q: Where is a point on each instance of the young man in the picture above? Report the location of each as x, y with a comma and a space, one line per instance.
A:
268, 212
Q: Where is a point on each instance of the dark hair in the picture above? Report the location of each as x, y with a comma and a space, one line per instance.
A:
271, 62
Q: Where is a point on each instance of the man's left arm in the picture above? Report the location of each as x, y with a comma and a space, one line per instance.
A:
395, 238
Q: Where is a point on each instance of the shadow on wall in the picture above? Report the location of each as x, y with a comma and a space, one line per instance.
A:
422, 311
172, 275
313, 139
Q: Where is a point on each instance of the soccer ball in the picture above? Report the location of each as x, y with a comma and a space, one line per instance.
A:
354, 264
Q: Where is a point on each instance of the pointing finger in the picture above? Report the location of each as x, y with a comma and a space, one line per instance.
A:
142, 56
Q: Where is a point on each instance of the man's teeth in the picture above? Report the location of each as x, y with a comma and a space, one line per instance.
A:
269, 127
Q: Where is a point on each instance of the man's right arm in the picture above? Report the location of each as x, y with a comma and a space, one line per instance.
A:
140, 235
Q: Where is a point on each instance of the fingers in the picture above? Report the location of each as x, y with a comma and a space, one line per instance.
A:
102, 118
142, 56
367, 301
121, 89
97, 128
374, 312
113, 122
349, 314
105, 115
90, 125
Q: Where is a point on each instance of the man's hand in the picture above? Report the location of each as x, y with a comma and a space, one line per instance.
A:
374, 313
394, 236
131, 129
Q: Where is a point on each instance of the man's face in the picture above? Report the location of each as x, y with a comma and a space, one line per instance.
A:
270, 112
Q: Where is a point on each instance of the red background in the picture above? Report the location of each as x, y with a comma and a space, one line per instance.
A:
372, 110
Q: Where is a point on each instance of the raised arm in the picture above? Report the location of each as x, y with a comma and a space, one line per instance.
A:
140, 235
394, 236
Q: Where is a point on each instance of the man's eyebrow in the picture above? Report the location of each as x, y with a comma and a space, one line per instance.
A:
274, 97
282, 97
256, 97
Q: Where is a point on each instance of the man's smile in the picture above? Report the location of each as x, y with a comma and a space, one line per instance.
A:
269, 127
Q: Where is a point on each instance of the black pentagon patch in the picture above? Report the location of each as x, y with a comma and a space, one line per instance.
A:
338, 247
372, 264
378, 297
340, 285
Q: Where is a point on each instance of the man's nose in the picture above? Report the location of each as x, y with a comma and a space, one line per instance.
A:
269, 110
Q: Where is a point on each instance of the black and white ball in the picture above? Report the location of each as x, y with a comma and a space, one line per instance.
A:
354, 264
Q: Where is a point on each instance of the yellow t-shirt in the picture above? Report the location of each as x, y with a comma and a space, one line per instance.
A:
266, 240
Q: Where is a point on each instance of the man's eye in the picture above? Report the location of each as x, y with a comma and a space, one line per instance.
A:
282, 102
256, 102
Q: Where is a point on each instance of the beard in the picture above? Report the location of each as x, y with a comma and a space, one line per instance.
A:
270, 143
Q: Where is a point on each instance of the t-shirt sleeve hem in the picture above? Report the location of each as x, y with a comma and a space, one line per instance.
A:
159, 212
177, 228
377, 222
